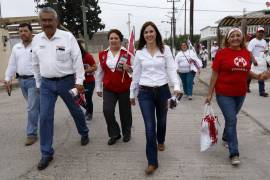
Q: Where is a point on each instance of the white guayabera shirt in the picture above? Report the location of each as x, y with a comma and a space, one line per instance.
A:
20, 61
57, 57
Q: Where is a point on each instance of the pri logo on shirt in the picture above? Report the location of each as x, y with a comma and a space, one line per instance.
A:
240, 62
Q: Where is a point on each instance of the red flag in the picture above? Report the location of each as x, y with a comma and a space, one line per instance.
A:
131, 48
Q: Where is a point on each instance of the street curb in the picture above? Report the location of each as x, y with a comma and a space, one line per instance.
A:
266, 130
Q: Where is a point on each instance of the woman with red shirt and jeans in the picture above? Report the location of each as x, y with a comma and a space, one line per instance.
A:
89, 82
230, 71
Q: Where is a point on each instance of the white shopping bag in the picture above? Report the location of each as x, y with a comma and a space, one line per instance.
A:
261, 64
209, 128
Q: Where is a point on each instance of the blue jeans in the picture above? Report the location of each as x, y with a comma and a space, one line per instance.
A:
89, 87
187, 81
261, 87
230, 106
49, 91
154, 107
29, 91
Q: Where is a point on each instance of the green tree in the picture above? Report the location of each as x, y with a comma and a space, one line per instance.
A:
182, 38
70, 14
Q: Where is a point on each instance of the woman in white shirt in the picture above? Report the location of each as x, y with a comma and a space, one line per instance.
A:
113, 83
188, 64
153, 65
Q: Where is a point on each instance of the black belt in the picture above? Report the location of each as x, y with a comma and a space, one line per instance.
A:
25, 76
59, 78
152, 88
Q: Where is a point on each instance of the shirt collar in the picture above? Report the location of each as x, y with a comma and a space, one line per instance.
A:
22, 45
158, 53
56, 34
122, 48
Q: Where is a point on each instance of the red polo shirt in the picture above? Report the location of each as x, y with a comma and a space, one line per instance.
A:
88, 60
233, 67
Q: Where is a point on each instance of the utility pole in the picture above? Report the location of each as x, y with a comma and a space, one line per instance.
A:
0, 11
185, 20
244, 22
191, 19
166, 34
128, 23
173, 24
85, 34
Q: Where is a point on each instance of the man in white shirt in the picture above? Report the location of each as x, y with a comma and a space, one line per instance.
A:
214, 50
257, 46
20, 62
58, 68
204, 56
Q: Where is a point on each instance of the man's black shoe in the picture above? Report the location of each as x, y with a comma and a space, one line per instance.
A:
264, 94
126, 138
113, 140
44, 162
84, 140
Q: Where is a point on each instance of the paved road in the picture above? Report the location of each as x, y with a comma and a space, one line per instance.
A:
126, 161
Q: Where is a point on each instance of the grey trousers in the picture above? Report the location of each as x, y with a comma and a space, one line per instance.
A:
109, 102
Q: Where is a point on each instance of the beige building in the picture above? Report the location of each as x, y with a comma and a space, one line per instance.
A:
4, 51
9, 37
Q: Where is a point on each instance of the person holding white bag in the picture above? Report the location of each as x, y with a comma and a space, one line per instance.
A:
258, 46
230, 71
187, 65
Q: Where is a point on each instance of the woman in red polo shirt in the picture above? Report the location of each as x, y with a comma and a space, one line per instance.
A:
230, 71
89, 82
114, 74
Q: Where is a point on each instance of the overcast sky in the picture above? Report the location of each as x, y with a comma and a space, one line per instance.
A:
116, 16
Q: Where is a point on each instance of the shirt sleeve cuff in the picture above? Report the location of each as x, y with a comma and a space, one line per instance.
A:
79, 81
132, 94
177, 87
98, 87
7, 79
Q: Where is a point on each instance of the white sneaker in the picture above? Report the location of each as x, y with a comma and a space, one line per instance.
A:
189, 97
235, 160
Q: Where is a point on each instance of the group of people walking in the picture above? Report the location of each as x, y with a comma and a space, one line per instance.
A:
54, 63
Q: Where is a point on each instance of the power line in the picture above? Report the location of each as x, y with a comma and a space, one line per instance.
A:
157, 7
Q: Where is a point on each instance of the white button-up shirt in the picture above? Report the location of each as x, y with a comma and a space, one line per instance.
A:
182, 60
57, 57
153, 70
20, 61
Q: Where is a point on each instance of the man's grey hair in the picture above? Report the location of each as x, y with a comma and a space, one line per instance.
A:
48, 10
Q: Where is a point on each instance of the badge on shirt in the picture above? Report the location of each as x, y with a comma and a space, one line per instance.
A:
60, 48
160, 56
123, 60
